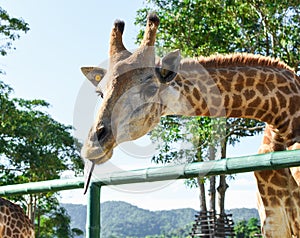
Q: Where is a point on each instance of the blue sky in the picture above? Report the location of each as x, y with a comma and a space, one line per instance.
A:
65, 35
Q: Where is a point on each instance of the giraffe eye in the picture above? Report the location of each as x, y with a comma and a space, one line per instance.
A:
97, 77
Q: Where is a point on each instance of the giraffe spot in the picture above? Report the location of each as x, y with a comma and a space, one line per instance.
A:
213, 111
217, 101
226, 85
294, 104
236, 113
271, 191
251, 73
255, 102
198, 112
266, 174
250, 82
261, 189
296, 122
277, 120
186, 89
281, 79
288, 74
237, 101
259, 114
267, 117
282, 127
274, 106
266, 106
271, 77
226, 100
179, 83
196, 94
263, 76
296, 195
294, 88
288, 202
285, 90
279, 193
249, 94
270, 86
19, 224
249, 112
189, 98
277, 180
188, 83
239, 87
8, 232
274, 201
262, 89
229, 74
203, 105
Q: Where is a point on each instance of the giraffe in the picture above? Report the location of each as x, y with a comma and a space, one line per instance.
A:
13, 221
140, 89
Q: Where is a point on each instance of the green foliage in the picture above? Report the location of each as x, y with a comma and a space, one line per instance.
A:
35, 147
9, 30
31, 139
244, 229
199, 27
56, 224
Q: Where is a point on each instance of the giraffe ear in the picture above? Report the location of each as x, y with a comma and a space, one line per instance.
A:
169, 67
93, 74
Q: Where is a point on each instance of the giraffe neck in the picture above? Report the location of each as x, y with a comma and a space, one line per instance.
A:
256, 88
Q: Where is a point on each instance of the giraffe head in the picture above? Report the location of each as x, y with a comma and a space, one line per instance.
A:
132, 104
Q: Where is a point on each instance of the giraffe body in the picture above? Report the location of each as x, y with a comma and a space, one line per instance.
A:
139, 91
13, 221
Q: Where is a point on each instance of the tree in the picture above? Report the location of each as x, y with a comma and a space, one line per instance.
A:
33, 146
198, 27
29, 140
244, 229
9, 30
56, 224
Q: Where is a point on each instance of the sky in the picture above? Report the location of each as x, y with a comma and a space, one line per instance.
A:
65, 35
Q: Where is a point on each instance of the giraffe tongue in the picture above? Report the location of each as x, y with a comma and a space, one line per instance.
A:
87, 182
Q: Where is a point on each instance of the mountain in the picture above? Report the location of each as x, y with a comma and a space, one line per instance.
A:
123, 220
239, 214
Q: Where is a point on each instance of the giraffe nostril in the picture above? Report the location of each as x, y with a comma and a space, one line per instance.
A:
100, 133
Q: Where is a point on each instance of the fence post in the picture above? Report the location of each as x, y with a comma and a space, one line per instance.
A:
93, 212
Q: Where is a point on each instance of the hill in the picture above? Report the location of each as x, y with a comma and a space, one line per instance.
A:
121, 219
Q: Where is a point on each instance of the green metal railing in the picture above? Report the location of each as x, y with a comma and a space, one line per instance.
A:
275, 160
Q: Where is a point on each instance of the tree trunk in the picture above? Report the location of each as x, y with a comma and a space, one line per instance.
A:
202, 196
204, 224
221, 190
30, 208
221, 194
222, 183
212, 183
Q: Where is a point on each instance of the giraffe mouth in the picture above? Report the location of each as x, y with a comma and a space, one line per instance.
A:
96, 155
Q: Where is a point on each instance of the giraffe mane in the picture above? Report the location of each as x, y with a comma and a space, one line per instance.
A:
241, 59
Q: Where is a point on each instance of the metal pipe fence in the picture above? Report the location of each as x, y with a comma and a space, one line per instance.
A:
274, 160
